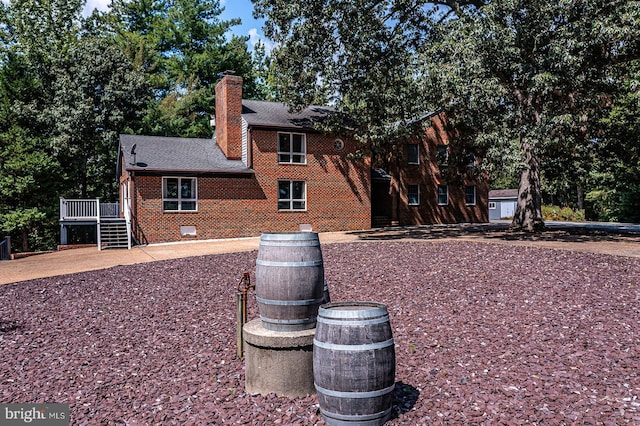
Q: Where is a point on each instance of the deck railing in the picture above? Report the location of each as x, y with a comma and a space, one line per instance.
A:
87, 209
5, 248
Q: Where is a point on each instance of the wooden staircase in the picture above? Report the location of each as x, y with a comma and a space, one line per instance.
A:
113, 234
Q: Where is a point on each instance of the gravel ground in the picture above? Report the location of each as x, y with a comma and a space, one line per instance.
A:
485, 334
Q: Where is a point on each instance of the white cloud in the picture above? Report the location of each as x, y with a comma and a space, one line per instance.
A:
255, 37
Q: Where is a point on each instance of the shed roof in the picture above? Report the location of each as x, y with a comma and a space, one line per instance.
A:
165, 154
503, 193
277, 115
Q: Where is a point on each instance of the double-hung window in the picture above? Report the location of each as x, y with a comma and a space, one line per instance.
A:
413, 153
413, 194
470, 195
292, 148
179, 194
443, 195
292, 195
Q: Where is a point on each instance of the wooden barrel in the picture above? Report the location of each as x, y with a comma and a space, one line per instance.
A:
289, 280
354, 363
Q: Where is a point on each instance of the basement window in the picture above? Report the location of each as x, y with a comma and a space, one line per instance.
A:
292, 148
179, 194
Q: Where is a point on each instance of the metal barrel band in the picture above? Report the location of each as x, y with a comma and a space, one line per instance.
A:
359, 395
289, 302
356, 418
288, 236
329, 321
296, 244
355, 348
287, 321
289, 264
368, 311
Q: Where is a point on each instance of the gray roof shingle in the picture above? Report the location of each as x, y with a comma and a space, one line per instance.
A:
277, 115
503, 193
164, 154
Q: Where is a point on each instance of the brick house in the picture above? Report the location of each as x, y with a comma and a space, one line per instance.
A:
268, 170
413, 190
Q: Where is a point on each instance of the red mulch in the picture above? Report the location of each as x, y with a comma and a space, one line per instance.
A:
485, 334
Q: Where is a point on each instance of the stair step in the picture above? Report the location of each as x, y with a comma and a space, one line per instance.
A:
113, 234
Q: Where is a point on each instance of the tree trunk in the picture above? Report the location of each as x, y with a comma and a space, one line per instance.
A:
528, 215
25, 240
580, 198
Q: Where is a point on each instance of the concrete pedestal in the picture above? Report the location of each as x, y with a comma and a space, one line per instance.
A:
278, 361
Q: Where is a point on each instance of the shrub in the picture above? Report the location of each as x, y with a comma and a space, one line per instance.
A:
562, 214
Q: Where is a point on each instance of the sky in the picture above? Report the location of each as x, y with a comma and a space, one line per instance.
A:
242, 9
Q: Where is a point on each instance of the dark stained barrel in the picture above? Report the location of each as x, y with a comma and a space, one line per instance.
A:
354, 363
289, 280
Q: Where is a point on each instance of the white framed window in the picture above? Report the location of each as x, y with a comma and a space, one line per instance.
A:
470, 195
179, 194
292, 195
492, 205
292, 148
443, 195
413, 194
442, 155
413, 153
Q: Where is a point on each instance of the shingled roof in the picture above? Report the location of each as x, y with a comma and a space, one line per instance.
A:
277, 115
503, 193
164, 154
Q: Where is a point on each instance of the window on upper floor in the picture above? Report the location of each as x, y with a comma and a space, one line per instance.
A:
292, 148
292, 195
443, 195
442, 155
470, 195
413, 194
413, 153
179, 194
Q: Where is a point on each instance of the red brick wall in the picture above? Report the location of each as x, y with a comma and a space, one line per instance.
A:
427, 176
229, 116
338, 195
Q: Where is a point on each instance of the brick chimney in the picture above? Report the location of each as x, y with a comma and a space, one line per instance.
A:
229, 116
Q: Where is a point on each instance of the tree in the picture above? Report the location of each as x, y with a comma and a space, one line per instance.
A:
520, 81
182, 47
98, 96
26, 163
542, 69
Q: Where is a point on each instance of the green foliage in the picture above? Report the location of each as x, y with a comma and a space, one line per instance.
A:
98, 95
182, 48
565, 214
614, 205
523, 83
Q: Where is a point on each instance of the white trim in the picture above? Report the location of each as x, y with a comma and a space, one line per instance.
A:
475, 195
292, 200
438, 195
291, 153
180, 200
408, 194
